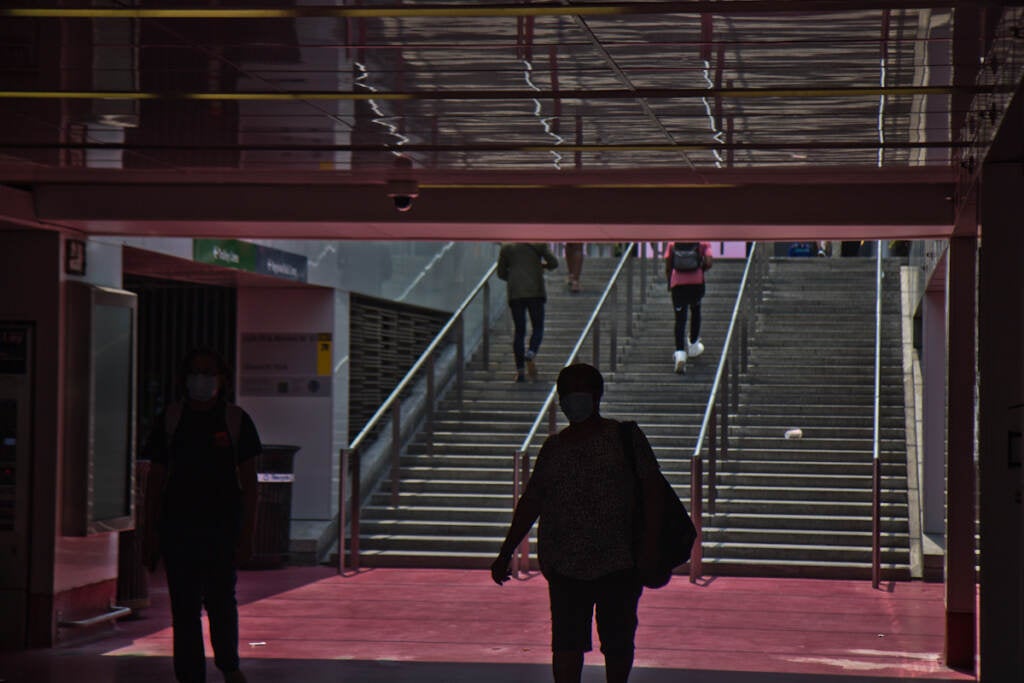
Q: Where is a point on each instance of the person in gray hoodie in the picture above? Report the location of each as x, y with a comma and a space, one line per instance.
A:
522, 266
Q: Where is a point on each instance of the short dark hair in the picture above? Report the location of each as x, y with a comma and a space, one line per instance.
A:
584, 374
204, 352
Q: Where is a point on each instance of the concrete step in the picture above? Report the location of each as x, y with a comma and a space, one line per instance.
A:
813, 507
747, 493
859, 540
792, 552
795, 522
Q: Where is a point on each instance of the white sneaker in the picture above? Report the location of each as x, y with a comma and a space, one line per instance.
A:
679, 358
695, 348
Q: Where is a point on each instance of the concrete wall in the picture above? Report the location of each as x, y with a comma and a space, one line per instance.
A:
304, 421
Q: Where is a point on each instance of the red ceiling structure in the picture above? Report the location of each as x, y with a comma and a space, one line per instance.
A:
611, 119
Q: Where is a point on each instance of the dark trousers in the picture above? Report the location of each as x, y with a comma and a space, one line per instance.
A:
519, 308
201, 572
686, 299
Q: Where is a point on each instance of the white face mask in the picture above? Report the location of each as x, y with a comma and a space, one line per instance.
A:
202, 387
577, 406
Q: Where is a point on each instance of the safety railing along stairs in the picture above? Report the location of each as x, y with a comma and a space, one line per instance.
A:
644, 387
445, 501
813, 481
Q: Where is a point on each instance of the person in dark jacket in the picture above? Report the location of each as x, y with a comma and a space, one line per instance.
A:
201, 512
522, 266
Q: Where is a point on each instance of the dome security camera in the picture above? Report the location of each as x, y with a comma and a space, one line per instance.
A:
402, 192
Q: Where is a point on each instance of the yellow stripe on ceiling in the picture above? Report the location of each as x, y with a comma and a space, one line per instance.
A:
316, 12
583, 186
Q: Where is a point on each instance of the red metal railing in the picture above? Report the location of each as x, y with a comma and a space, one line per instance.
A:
723, 400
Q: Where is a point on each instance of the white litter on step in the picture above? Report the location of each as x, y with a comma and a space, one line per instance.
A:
794, 434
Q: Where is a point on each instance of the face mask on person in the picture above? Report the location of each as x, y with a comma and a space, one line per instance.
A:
577, 406
202, 387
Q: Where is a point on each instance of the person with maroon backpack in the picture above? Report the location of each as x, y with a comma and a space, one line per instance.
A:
685, 263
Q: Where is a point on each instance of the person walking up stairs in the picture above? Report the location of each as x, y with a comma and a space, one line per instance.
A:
685, 263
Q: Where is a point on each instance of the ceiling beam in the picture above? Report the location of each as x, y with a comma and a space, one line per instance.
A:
454, 212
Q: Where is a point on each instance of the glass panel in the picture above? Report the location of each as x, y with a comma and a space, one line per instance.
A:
112, 394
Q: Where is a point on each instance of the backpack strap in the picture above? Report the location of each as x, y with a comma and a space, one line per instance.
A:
232, 416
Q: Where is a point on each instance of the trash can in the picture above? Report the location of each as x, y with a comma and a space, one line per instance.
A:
274, 467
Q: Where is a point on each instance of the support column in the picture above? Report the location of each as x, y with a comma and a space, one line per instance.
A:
933, 413
961, 595
1000, 344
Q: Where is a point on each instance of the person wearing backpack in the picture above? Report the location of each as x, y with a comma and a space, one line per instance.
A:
685, 263
201, 512
522, 266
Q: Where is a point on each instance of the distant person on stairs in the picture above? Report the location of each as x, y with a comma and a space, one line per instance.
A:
522, 266
574, 263
583, 488
685, 263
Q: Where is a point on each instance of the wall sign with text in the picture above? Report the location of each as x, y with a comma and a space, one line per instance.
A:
288, 365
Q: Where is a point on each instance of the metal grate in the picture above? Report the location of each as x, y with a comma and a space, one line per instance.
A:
385, 340
173, 318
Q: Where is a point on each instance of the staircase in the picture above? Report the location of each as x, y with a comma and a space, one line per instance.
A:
670, 407
803, 506
455, 504
784, 507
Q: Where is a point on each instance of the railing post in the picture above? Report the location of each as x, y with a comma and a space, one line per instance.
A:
712, 463
460, 355
629, 290
553, 418
353, 543
343, 479
524, 545
431, 397
696, 513
487, 325
643, 272
725, 410
614, 362
744, 344
876, 523
596, 342
515, 500
734, 390
396, 450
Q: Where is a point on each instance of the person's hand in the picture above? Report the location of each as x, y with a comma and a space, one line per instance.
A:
501, 569
243, 551
150, 550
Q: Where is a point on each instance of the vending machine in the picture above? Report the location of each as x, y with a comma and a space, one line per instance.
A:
15, 422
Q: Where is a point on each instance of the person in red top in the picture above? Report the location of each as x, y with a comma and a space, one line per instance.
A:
685, 263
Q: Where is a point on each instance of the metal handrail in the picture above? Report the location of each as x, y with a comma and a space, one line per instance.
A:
876, 467
579, 344
754, 269
521, 463
350, 461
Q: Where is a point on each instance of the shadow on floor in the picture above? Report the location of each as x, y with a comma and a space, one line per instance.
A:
65, 666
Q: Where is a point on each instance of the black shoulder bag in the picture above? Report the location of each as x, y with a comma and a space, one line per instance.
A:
677, 531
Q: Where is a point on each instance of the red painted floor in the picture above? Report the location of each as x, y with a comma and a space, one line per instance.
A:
307, 624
